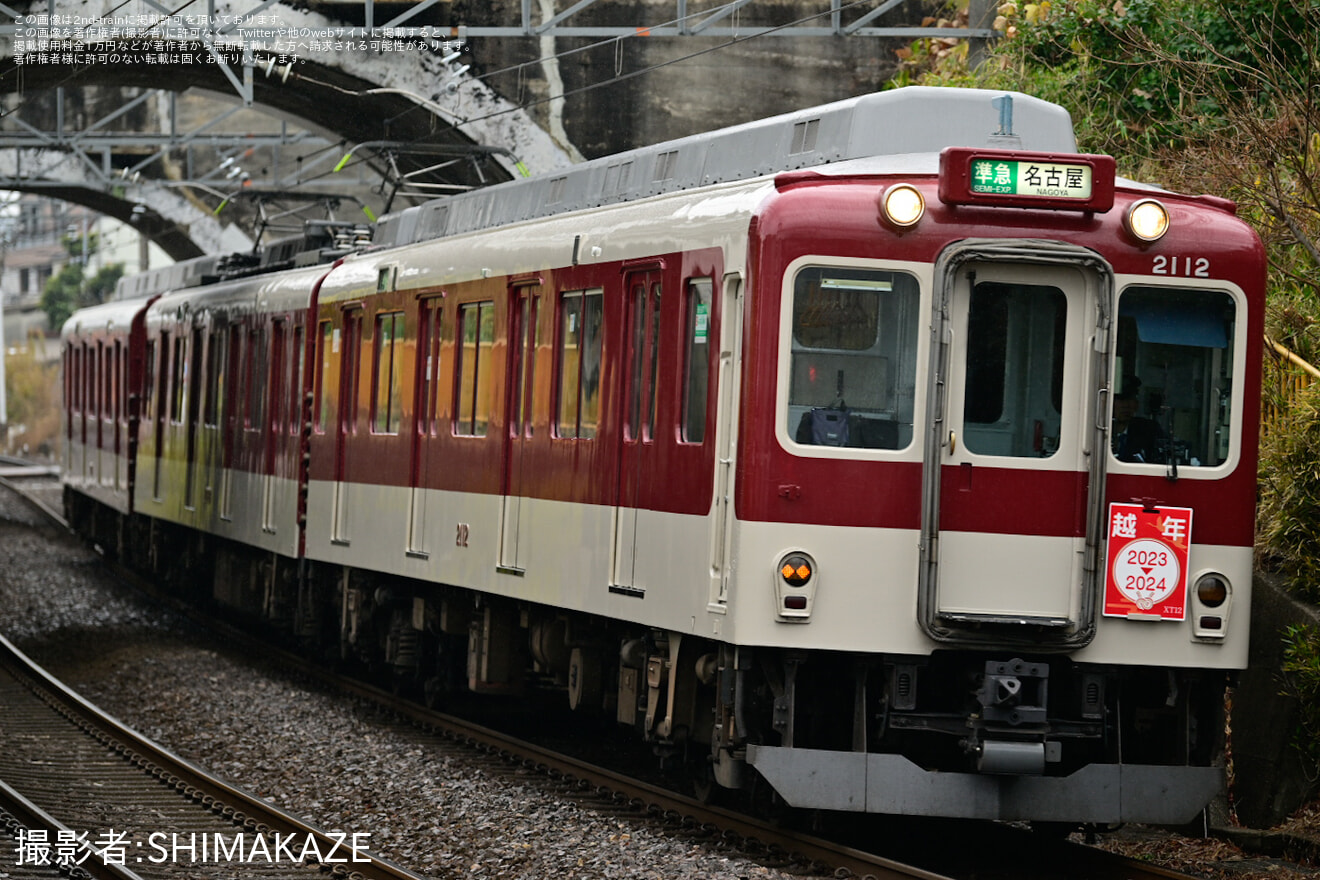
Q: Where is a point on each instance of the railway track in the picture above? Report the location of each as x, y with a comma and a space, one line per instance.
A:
607, 788
124, 800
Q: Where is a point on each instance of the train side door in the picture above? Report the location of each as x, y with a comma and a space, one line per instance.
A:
275, 380
430, 311
642, 334
524, 300
191, 421
1012, 479
346, 420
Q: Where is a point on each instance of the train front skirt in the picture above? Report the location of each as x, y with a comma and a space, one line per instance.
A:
880, 783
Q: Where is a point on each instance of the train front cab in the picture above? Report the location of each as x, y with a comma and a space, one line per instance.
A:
935, 512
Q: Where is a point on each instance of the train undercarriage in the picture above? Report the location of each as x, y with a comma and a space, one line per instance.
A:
947, 733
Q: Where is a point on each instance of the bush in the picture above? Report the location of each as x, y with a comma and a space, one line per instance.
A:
1288, 519
1301, 679
32, 393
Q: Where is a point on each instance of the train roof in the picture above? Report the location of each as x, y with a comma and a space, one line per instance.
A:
275, 292
105, 317
912, 120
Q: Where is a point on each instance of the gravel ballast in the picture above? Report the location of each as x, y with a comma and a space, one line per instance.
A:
439, 809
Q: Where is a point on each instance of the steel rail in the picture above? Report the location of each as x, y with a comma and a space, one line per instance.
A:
843, 860
192, 781
29, 817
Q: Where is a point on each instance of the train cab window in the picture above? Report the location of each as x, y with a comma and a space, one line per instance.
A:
852, 377
325, 383
577, 364
1173, 374
696, 359
476, 333
1013, 399
387, 396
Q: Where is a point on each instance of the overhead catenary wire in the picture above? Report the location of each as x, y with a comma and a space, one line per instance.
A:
617, 78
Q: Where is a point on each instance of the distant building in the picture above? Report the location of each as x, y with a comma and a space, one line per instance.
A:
32, 236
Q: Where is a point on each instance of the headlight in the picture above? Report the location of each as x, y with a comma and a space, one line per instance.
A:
1147, 220
1211, 590
1212, 601
903, 205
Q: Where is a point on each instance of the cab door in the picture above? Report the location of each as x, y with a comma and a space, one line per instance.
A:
1013, 486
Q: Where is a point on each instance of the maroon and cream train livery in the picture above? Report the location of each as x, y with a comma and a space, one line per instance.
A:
890, 453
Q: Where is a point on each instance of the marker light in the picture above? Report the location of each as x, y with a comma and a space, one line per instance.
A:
795, 570
1147, 220
903, 205
1211, 590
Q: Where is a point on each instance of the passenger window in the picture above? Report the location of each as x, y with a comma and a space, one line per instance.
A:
178, 376
215, 379
324, 381
256, 369
476, 329
1013, 399
387, 401
428, 362
1173, 373
853, 370
696, 362
148, 379
577, 364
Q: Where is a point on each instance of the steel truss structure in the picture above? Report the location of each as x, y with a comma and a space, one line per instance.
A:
242, 46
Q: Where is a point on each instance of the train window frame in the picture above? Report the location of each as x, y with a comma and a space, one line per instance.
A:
1021, 311
1237, 341
697, 329
903, 373
297, 370
387, 372
255, 367
326, 337
216, 361
569, 423
107, 383
468, 397
148, 378
429, 342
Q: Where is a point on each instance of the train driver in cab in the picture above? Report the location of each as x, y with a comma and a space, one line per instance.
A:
1134, 437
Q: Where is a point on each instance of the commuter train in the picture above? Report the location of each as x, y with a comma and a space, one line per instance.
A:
890, 455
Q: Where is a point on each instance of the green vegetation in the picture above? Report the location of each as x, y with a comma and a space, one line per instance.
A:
1301, 676
1217, 96
70, 289
32, 397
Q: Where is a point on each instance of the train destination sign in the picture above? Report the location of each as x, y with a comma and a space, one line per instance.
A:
1146, 570
1012, 177
1023, 179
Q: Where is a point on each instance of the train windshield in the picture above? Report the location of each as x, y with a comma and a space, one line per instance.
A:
853, 362
1173, 376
